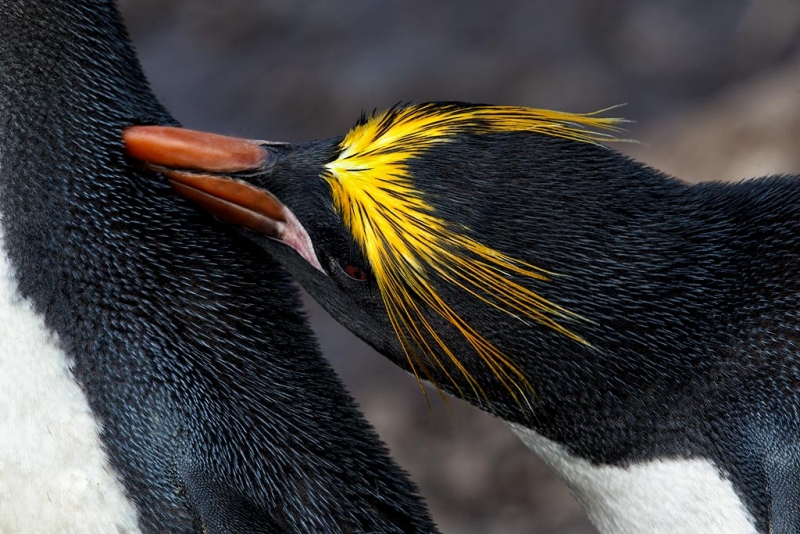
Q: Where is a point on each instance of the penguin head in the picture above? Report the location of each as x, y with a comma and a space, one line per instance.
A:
406, 228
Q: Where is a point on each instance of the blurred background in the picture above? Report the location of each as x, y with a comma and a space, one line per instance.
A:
713, 88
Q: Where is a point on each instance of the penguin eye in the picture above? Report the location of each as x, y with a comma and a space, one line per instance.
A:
349, 275
354, 273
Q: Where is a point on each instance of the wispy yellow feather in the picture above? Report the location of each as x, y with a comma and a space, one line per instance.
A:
406, 242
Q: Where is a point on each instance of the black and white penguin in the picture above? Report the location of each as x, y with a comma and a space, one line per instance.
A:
143, 388
637, 332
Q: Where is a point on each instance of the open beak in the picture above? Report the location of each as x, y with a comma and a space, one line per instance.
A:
198, 166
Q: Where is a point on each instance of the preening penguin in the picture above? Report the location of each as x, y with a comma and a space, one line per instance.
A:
638, 332
142, 388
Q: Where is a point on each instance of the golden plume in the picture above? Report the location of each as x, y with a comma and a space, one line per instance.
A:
406, 242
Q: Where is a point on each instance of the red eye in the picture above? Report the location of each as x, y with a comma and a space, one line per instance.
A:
354, 272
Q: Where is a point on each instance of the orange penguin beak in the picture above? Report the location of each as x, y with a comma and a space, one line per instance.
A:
197, 164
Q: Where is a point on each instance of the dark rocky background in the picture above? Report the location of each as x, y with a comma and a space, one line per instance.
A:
714, 88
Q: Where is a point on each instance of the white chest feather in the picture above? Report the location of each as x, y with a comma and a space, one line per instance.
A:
54, 474
686, 496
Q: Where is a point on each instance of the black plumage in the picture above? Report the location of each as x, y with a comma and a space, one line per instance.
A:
219, 413
681, 300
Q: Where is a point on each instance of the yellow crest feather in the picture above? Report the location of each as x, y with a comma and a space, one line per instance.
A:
406, 242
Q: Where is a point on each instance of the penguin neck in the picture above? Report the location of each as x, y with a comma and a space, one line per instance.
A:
166, 329
641, 261
69, 76
638, 257
683, 290
60, 69
664, 274
639, 420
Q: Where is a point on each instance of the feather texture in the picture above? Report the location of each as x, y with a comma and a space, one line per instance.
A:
407, 242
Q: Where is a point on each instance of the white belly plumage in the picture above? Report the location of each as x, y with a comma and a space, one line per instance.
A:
55, 476
683, 496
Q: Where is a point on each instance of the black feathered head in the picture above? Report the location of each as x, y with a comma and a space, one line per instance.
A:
366, 208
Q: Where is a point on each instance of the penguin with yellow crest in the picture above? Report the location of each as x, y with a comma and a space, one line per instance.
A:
637, 332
